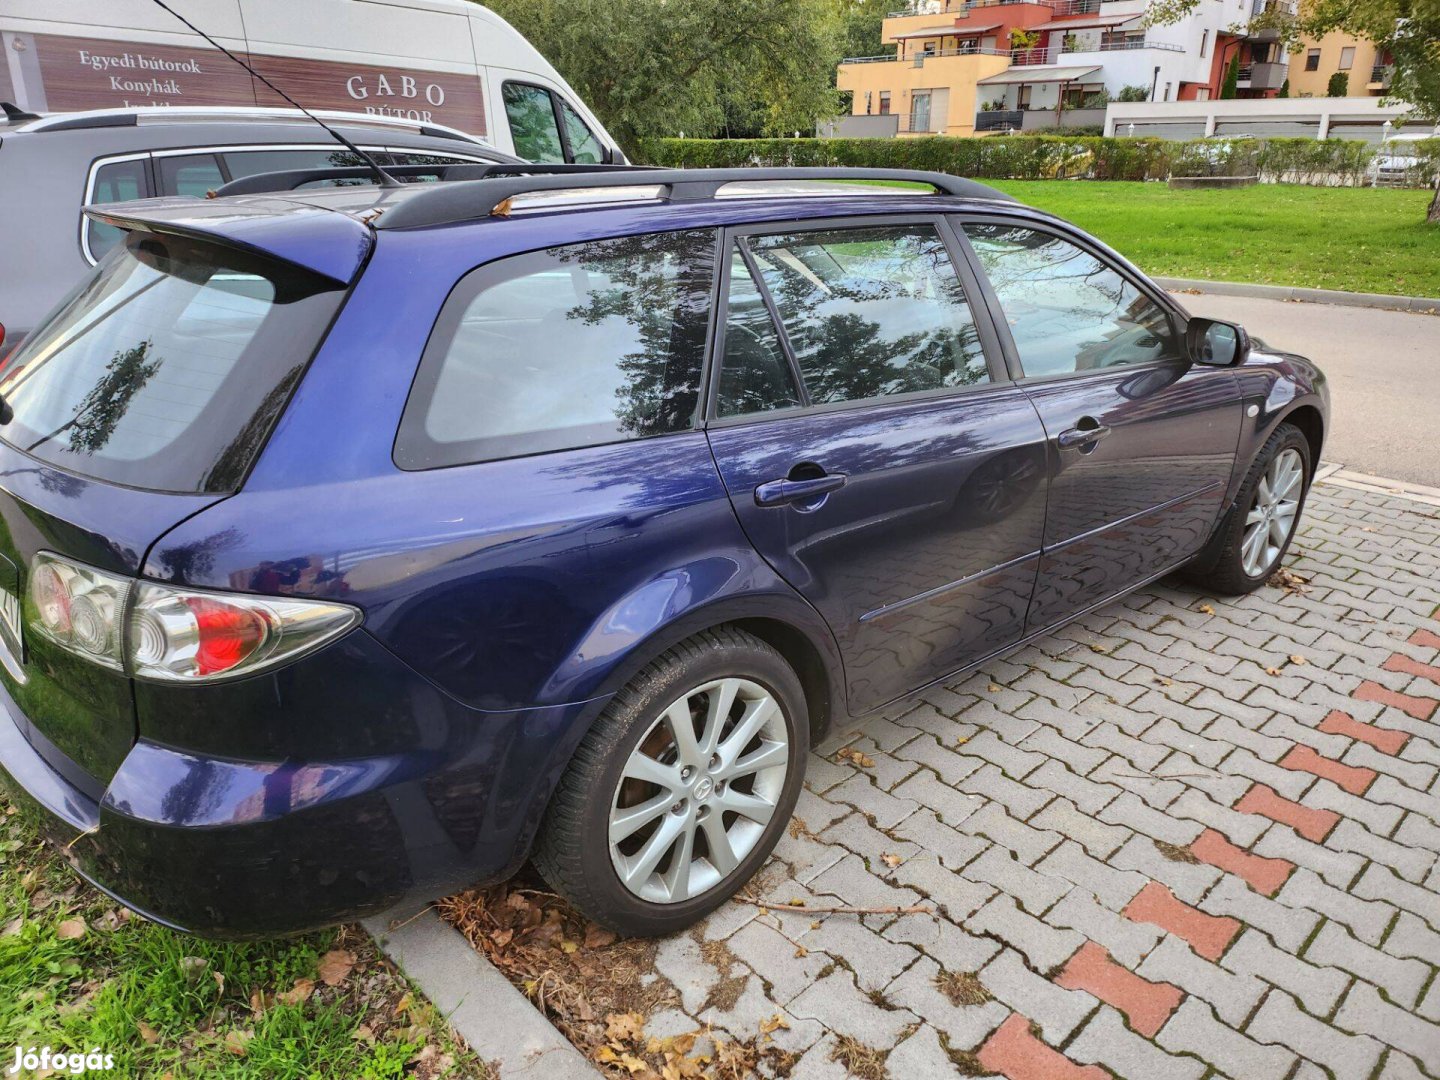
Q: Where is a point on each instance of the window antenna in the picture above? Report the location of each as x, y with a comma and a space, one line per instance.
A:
384, 178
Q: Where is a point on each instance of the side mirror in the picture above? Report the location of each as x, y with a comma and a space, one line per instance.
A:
1218, 344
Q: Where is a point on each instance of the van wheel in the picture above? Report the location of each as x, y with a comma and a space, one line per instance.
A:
680, 790
1256, 532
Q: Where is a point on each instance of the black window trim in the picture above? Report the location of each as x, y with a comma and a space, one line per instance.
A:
703, 389
960, 258
1112, 260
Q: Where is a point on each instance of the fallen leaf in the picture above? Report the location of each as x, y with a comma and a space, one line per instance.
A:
815, 925
801, 952
70, 929
193, 968
1098, 649
568, 947
335, 966
994, 688
1164, 681
597, 937
1296, 658
775, 1023
237, 1042
148, 1033
363, 1034
891, 860
1272, 671
1206, 609
962, 740
302, 990
625, 1027
14, 926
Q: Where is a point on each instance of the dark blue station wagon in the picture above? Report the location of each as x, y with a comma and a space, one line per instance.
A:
360, 543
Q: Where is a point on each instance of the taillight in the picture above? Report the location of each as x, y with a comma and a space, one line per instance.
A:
162, 633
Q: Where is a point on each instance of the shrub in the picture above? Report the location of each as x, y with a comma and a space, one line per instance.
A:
1134, 93
1066, 155
1339, 84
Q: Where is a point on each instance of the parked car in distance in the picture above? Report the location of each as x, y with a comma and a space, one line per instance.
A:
52, 166
1398, 161
361, 543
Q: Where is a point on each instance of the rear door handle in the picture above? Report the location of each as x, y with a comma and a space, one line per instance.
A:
1081, 436
781, 492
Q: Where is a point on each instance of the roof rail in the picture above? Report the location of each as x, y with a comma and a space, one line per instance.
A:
133, 114
444, 204
290, 179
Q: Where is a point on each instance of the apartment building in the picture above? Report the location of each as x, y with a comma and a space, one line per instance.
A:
967, 67
1366, 67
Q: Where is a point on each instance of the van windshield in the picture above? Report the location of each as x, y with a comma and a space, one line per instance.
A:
166, 368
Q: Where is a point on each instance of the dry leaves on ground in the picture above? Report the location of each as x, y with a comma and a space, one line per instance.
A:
855, 757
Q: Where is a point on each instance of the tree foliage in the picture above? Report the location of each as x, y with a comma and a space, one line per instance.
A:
705, 67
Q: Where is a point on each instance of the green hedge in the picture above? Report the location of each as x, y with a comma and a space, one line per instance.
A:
1048, 157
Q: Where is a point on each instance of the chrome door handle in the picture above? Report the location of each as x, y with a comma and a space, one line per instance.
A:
781, 492
1081, 436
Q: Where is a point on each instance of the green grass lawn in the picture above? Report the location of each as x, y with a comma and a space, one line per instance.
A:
1356, 239
78, 974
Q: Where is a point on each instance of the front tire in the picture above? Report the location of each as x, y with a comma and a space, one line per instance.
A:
1255, 534
680, 790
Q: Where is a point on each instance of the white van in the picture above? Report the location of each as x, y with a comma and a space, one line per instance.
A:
446, 63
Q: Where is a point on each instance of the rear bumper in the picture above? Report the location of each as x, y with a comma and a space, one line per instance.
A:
227, 848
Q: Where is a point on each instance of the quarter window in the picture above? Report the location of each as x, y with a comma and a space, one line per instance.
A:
755, 374
573, 346
585, 148
1067, 310
119, 181
871, 312
193, 174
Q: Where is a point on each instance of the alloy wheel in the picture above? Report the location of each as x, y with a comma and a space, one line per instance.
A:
1271, 519
698, 790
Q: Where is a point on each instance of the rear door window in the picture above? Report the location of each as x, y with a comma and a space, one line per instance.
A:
191, 174
574, 346
871, 311
117, 181
166, 369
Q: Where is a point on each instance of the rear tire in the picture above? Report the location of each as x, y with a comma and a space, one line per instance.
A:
642, 833
1256, 532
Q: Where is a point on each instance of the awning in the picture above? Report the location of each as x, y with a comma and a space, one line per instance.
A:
1038, 73
1090, 23
947, 31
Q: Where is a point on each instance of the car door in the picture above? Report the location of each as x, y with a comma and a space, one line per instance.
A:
874, 449
1142, 442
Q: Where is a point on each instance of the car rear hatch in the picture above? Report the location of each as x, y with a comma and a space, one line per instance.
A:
143, 398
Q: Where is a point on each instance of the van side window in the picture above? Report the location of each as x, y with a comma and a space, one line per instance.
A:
574, 346
872, 311
585, 148
119, 181
532, 124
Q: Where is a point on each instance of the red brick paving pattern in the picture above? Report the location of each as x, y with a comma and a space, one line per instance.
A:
1015, 1053
1386, 740
1421, 708
1147, 1005
1311, 823
1208, 935
1350, 777
1263, 875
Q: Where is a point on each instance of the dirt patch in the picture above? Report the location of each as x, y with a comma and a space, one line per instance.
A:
962, 987
859, 1060
1176, 854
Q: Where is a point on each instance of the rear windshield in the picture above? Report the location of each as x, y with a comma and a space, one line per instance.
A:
166, 369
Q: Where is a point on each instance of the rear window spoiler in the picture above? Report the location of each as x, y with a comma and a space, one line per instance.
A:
330, 244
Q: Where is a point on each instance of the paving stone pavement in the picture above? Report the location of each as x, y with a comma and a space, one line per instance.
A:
1184, 837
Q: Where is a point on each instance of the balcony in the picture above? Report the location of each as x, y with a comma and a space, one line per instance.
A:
1380, 76
999, 120
1059, 54
918, 59
1076, 7
1266, 17
1266, 76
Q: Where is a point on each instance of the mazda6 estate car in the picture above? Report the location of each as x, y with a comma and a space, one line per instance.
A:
359, 544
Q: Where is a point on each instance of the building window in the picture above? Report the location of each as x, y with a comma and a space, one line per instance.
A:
1204, 41
1312, 60
884, 102
1202, 93
869, 102
1167, 92
1347, 58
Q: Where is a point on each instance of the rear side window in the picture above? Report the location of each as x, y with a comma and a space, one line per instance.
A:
871, 311
755, 374
119, 181
191, 174
242, 163
166, 369
573, 346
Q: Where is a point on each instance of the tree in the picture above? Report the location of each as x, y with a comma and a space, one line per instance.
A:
860, 27
705, 67
1284, 91
1339, 85
1408, 30
1232, 78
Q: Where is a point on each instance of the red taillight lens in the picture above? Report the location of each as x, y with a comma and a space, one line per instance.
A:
227, 634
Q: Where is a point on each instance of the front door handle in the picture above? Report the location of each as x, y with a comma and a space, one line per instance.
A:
1082, 434
781, 492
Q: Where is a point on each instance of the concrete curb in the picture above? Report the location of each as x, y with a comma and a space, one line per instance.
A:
1428, 305
1398, 489
495, 1019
